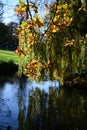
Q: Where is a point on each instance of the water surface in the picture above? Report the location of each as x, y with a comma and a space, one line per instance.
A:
27, 105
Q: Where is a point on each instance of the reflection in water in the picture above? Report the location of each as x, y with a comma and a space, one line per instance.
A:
26, 105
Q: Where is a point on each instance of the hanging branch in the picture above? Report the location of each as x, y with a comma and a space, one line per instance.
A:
28, 10
49, 23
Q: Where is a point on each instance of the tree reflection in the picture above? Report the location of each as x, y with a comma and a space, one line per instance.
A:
63, 109
22, 103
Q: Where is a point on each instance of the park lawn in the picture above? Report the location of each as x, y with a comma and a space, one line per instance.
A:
7, 56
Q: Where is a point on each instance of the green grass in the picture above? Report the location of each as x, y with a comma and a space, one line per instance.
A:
7, 56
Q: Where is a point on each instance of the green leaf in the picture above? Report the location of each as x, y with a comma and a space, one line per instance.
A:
64, 6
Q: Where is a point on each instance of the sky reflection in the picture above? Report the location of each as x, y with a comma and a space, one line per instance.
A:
13, 97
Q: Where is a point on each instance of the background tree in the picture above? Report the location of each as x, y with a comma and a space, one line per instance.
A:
8, 39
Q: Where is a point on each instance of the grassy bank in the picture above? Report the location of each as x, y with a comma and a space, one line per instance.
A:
7, 56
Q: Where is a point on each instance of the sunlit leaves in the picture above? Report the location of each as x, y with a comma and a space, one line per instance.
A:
30, 36
62, 16
20, 9
33, 68
46, 44
39, 21
24, 9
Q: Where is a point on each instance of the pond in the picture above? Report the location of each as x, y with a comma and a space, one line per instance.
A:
27, 105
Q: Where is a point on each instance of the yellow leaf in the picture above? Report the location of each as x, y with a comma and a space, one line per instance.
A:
21, 1
23, 8
37, 16
38, 21
23, 24
55, 19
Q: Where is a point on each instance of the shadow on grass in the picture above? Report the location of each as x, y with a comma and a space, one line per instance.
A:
8, 68
7, 71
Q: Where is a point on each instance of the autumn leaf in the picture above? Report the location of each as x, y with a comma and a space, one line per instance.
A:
70, 43
38, 21
54, 28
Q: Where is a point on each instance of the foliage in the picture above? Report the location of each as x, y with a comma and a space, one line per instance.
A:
54, 44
